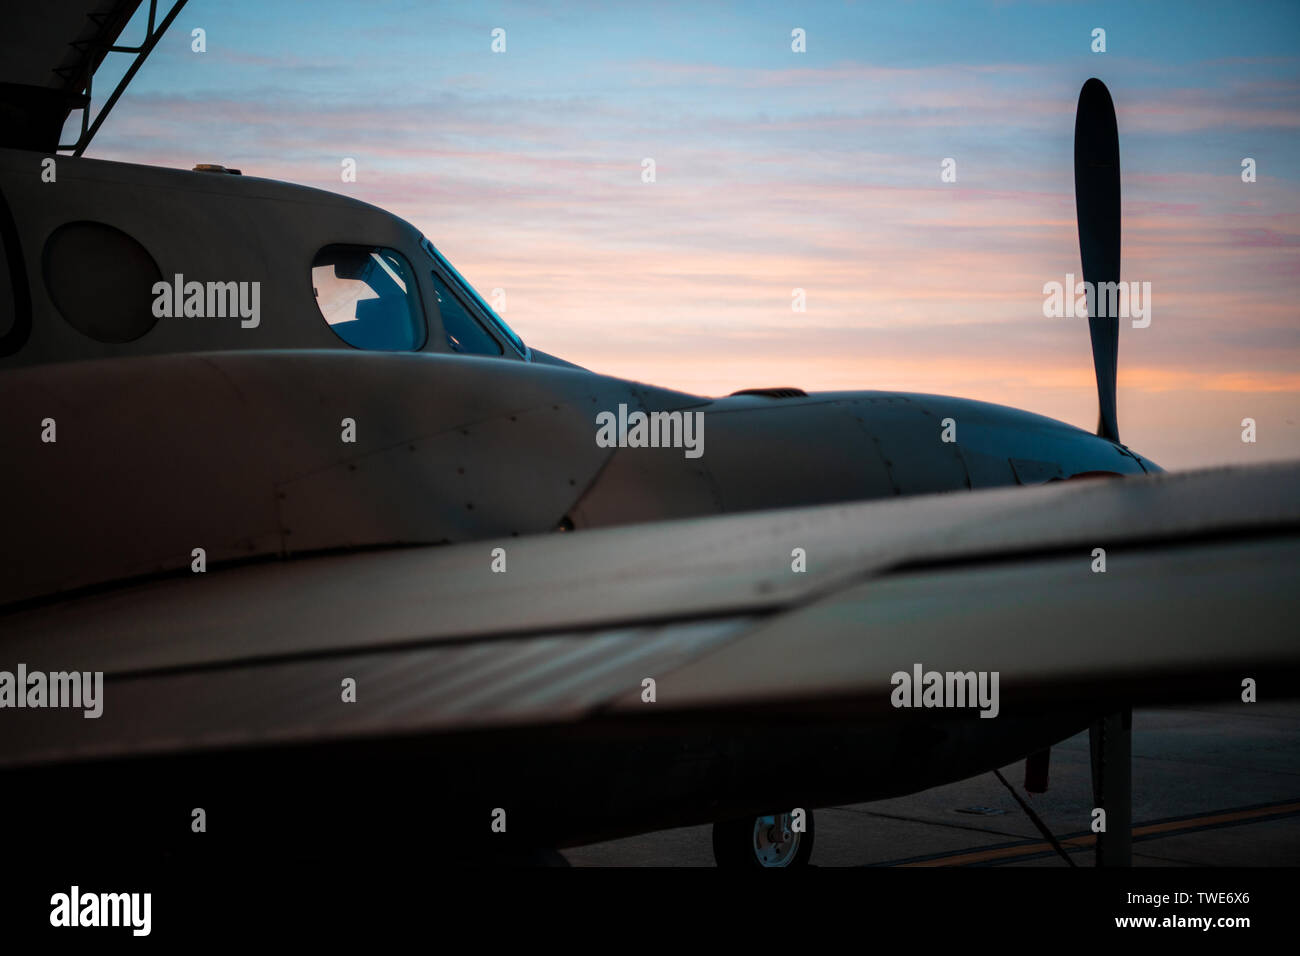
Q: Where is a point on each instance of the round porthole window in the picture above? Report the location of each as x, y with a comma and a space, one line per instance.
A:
101, 281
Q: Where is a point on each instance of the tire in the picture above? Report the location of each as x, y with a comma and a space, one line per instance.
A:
747, 843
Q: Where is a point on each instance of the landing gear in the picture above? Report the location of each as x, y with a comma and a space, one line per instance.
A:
768, 841
1111, 740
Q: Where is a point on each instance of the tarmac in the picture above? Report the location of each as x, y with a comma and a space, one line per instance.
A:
1212, 786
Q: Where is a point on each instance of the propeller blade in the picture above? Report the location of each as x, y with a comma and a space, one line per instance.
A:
1096, 201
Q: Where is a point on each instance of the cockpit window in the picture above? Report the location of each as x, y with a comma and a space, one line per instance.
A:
469, 291
464, 334
368, 296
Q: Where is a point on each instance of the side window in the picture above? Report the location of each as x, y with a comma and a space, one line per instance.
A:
464, 334
368, 296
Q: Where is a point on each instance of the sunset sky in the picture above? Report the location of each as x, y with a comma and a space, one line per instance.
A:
778, 170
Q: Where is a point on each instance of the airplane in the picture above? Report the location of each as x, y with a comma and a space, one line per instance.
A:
269, 441
373, 325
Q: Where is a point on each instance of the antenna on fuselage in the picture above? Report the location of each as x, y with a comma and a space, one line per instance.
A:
1096, 201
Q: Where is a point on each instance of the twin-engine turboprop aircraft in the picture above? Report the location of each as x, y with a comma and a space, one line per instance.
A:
295, 394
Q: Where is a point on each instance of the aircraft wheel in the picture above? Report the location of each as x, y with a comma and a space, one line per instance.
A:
762, 842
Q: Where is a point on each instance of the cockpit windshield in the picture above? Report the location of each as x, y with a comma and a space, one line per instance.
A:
469, 292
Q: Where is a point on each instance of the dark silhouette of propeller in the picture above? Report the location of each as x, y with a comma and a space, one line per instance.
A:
1096, 200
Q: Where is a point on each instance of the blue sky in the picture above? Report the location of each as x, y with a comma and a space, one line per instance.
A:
817, 170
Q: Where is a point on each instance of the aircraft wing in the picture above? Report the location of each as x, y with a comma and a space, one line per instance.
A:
1200, 592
